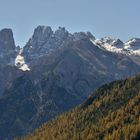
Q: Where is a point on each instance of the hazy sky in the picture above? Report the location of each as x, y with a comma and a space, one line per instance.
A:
116, 18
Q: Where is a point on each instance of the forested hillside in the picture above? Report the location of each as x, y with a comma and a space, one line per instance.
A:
111, 113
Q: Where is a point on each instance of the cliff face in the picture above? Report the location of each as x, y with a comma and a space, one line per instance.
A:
7, 47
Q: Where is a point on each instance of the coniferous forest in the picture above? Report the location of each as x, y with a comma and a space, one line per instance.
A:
112, 112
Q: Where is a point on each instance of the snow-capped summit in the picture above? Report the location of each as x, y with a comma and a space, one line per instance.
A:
110, 41
130, 48
117, 43
110, 44
133, 42
133, 45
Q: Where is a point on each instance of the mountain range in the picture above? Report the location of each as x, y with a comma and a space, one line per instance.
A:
54, 72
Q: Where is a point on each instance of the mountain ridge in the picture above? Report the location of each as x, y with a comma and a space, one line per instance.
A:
44, 40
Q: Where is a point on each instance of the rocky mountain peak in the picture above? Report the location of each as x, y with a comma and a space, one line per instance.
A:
6, 40
133, 45
118, 43
41, 34
133, 42
61, 33
43, 41
83, 35
108, 40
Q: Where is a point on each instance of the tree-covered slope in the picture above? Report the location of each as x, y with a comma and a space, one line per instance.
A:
111, 113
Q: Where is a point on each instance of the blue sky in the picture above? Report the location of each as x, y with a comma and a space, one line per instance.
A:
116, 18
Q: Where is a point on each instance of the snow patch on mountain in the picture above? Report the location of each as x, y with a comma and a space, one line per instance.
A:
20, 62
